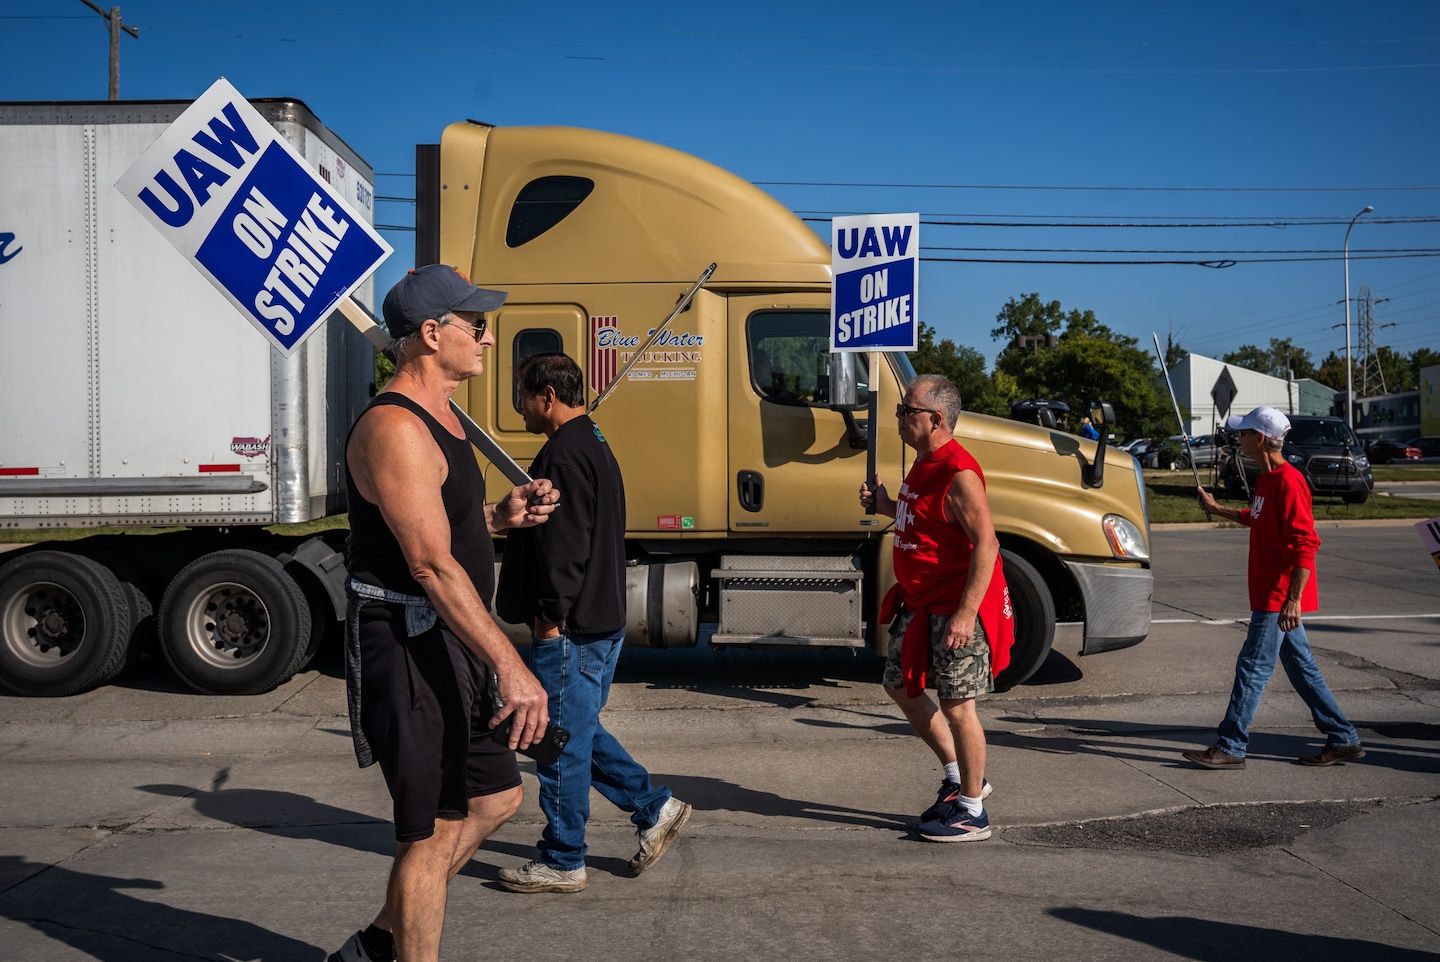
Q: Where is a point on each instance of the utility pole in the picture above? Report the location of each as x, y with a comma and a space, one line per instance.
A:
112, 16
1371, 371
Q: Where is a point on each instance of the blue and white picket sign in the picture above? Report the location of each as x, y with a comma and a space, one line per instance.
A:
874, 302
242, 205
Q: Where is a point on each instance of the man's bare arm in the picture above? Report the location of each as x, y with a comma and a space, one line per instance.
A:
397, 467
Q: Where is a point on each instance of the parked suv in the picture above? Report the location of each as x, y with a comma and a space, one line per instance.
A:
1172, 454
1325, 451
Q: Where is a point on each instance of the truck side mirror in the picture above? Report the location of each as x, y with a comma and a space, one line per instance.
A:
1102, 415
844, 383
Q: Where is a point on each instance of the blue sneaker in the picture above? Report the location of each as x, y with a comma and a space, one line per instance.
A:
948, 795
957, 825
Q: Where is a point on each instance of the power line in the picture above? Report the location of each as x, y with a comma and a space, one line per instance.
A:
1239, 218
1214, 264
1122, 250
1428, 219
1091, 187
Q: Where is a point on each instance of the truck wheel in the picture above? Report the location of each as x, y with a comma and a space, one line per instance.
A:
234, 623
1357, 498
1034, 621
65, 621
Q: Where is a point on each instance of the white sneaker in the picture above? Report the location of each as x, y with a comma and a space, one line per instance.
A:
536, 876
658, 837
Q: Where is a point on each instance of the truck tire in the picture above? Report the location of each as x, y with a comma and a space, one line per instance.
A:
1034, 620
66, 624
234, 623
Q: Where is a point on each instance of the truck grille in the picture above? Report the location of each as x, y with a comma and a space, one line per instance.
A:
1332, 472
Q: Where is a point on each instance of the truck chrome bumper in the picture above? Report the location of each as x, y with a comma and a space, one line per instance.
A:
1117, 605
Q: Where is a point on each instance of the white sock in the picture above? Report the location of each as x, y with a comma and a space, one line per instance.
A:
952, 771
973, 806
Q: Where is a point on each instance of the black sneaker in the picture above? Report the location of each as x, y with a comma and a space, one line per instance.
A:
354, 951
949, 794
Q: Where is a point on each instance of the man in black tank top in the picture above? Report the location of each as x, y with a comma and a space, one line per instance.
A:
421, 645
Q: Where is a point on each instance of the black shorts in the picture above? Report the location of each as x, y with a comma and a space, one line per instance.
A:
425, 707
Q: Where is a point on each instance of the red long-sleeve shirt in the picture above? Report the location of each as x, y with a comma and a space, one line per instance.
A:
1282, 536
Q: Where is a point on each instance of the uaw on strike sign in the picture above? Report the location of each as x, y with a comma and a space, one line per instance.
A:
237, 200
874, 300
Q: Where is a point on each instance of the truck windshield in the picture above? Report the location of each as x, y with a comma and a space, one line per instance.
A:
1330, 433
904, 370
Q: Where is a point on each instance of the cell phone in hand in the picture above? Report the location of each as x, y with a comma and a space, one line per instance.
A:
550, 745
546, 750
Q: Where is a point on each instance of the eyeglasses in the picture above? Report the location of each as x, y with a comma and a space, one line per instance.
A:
905, 410
477, 331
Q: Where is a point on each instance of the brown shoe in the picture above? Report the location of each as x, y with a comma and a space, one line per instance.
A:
1334, 754
1214, 758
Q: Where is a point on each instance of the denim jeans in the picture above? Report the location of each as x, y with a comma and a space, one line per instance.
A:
1263, 643
576, 672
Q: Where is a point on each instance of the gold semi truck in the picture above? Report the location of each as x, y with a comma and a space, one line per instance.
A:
741, 470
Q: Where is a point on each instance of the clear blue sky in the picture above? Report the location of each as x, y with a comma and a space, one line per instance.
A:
1314, 94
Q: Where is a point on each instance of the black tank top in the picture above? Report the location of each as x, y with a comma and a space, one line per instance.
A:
374, 554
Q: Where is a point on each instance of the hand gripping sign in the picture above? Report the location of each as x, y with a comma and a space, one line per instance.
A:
874, 302
238, 201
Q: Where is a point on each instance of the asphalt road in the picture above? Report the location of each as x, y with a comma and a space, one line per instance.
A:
144, 823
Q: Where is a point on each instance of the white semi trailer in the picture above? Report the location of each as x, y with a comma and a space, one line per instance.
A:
132, 395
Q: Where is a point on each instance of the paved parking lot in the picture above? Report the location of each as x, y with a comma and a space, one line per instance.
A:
144, 823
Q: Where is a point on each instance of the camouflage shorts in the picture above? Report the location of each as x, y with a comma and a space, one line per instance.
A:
954, 674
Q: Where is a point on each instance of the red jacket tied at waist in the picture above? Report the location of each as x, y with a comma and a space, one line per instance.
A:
932, 565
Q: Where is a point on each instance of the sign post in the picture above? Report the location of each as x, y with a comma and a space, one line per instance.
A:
250, 214
874, 300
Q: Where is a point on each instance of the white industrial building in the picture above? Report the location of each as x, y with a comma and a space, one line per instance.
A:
1195, 376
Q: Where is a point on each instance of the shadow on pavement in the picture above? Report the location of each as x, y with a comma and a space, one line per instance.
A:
714, 795
1191, 938
91, 914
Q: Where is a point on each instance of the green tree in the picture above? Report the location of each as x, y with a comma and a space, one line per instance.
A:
964, 366
1282, 358
1174, 353
1422, 358
1396, 369
1331, 372
1089, 362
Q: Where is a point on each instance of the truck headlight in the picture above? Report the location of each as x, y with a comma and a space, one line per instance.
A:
1125, 539
1362, 462
1296, 459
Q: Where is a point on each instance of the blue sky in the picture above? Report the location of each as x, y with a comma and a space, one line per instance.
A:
1272, 95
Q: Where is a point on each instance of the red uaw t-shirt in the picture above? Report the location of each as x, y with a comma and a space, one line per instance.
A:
1282, 535
932, 563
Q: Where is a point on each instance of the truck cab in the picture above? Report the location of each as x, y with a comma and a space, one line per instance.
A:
741, 473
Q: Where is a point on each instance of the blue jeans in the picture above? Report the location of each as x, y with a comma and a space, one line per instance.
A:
576, 672
1264, 642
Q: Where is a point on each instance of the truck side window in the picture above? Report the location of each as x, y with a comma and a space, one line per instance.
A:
790, 358
543, 203
528, 343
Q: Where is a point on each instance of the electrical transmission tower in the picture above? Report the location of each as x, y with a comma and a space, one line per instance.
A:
1372, 374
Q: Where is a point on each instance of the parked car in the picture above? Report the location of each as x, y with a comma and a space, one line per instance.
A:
1386, 450
1172, 453
1325, 451
1428, 447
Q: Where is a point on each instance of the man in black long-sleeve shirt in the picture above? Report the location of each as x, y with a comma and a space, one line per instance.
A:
567, 580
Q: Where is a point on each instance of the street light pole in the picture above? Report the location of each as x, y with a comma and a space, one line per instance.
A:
1349, 387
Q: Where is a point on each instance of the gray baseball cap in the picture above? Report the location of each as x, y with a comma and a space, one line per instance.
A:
433, 291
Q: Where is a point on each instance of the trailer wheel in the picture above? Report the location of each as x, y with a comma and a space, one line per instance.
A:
65, 622
234, 623
1034, 620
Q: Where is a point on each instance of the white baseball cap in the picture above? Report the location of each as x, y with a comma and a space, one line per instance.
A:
1266, 420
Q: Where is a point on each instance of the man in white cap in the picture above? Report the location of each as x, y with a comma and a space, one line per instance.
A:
1283, 544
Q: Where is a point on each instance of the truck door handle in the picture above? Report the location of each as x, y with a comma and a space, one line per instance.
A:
751, 487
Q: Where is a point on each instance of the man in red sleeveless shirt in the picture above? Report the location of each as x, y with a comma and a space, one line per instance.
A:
953, 621
1283, 544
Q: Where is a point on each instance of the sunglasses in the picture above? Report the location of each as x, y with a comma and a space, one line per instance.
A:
477, 331
905, 410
